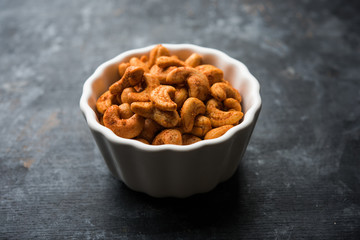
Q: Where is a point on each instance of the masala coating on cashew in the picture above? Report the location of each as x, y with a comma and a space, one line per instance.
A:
222, 91
217, 132
219, 117
167, 100
105, 101
167, 119
134, 61
168, 136
165, 62
188, 139
201, 126
212, 73
193, 60
191, 108
125, 111
181, 94
150, 83
232, 104
163, 96
161, 73
132, 76
198, 84
157, 51
122, 68
151, 128
124, 96
123, 127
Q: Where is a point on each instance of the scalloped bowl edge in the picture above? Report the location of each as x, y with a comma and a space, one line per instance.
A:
117, 151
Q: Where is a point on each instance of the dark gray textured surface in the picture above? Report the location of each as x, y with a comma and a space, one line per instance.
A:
299, 178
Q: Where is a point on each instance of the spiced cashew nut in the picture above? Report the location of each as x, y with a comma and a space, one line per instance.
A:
161, 73
125, 111
193, 60
122, 68
202, 125
218, 117
123, 127
150, 130
144, 96
217, 132
165, 61
213, 73
181, 95
166, 119
105, 101
188, 139
163, 96
223, 90
124, 96
157, 51
168, 136
132, 76
134, 61
197, 82
232, 104
191, 108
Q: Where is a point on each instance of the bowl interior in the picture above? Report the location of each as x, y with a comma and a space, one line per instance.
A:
234, 71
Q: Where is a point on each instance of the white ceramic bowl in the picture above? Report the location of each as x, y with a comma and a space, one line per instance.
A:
171, 170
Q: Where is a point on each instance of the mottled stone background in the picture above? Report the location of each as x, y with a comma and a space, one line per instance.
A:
300, 177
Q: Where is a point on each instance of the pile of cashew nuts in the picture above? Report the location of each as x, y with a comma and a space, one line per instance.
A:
161, 99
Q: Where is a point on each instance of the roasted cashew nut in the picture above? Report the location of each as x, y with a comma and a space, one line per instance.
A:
144, 58
155, 89
163, 96
166, 119
156, 52
126, 128
168, 136
202, 125
223, 90
132, 76
219, 117
193, 60
188, 139
197, 82
105, 101
122, 68
217, 132
212, 73
144, 96
134, 61
150, 130
125, 111
161, 73
191, 108
181, 95
232, 104
124, 96
165, 62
